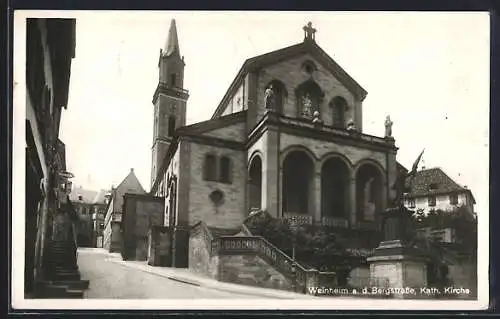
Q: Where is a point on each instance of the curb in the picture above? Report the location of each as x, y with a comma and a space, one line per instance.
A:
211, 286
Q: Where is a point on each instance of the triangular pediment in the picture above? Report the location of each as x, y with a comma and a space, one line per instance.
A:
305, 48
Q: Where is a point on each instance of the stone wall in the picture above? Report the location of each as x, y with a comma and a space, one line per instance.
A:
251, 270
200, 260
464, 275
115, 240
230, 212
141, 212
359, 277
160, 245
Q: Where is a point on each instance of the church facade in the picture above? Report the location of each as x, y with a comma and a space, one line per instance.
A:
286, 138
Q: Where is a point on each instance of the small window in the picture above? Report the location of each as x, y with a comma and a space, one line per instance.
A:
171, 125
432, 200
173, 78
411, 202
225, 170
453, 199
210, 168
80, 197
433, 186
101, 225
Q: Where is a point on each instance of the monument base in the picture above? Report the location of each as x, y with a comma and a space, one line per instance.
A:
398, 270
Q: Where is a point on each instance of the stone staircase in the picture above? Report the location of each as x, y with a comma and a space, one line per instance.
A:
62, 278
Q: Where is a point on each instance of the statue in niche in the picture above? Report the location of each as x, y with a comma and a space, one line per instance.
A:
269, 98
388, 126
351, 125
306, 105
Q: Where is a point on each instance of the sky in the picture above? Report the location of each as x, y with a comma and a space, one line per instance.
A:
428, 71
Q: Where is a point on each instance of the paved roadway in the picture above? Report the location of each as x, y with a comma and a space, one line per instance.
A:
110, 280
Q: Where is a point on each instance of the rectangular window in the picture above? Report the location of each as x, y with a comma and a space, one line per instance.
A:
432, 200
453, 199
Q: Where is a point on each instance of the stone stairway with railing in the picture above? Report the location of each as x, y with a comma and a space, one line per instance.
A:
240, 257
62, 279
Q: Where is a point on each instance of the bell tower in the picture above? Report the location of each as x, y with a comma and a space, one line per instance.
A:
169, 99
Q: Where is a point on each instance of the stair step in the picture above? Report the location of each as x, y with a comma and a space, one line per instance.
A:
71, 284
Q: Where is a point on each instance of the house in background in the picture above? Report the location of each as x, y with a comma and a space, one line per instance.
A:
82, 200
98, 214
432, 190
112, 238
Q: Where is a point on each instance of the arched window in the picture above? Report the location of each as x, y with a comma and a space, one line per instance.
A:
210, 168
339, 108
173, 78
171, 125
225, 170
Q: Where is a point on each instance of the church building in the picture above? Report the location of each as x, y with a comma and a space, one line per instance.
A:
287, 138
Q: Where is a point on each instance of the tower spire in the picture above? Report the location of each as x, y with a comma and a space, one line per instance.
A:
172, 44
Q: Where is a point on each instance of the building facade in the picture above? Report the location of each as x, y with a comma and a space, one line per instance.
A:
140, 214
112, 237
432, 189
50, 48
286, 138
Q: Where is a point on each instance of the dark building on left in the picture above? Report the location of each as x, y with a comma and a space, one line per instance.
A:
50, 239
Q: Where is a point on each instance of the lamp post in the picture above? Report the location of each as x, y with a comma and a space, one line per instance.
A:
293, 226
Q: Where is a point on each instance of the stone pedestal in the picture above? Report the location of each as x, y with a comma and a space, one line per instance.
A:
395, 265
396, 268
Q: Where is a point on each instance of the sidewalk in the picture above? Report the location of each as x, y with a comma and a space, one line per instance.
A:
188, 277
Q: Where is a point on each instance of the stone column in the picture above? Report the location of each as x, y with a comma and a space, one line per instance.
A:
317, 196
352, 196
270, 173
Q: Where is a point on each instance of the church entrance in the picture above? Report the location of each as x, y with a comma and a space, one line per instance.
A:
369, 192
335, 189
255, 183
298, 169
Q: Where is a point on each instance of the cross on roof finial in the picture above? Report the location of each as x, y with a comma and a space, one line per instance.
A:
309, 32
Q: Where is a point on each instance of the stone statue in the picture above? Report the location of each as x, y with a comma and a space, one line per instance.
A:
388, 126
317, 117
351, 125
269, 97
307, 105
400, 182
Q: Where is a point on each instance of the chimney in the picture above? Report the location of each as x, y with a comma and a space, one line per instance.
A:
132, 170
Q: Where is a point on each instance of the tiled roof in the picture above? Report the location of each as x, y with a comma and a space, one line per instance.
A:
87, 195
432, 181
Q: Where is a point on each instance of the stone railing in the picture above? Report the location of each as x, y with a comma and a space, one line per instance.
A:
234, 245
298, 219
334, 222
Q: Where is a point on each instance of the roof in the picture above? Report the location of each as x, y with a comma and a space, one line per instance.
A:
131, 175
433, 181
88, 195
306, 47
100, 197
172, 43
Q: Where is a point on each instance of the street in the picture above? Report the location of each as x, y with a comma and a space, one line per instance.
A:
110, 280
